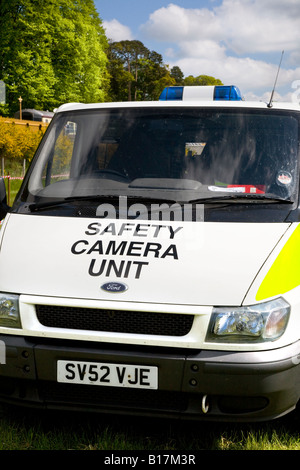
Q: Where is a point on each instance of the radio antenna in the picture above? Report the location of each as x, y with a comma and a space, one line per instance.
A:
272, 94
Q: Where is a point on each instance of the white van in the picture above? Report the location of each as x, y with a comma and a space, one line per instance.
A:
150, 263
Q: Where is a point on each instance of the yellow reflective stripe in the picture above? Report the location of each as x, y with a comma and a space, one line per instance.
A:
284, 273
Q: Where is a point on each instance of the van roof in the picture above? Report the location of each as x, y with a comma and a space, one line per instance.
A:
181, 104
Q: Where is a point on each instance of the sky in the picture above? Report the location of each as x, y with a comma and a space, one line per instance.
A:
238, 41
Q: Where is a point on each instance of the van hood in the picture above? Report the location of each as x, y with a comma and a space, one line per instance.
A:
191, 263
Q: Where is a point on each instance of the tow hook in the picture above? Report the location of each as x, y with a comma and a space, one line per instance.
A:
205, 404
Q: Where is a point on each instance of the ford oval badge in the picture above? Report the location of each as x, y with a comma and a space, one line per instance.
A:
114, 287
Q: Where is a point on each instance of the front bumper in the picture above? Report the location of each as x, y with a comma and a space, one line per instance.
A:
203, 385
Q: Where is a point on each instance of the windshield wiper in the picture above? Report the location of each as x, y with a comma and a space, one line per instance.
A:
241, 198
57, 202
35, 206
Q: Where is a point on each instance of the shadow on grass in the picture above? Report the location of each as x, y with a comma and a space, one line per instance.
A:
34, 430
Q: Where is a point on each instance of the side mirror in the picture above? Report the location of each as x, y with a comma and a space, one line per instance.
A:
4, 208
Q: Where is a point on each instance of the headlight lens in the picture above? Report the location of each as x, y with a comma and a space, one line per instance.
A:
255, 323
9, 311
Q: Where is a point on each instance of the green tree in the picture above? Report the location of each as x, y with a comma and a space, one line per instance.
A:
78, 48
136, 72
52, 52
124, 58
177, 75
201, 80
153, 78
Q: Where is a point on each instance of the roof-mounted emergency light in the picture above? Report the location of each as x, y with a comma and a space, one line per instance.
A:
203, 93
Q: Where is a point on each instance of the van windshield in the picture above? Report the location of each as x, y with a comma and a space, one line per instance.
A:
180, 154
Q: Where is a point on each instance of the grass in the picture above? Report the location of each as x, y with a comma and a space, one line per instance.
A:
26, 430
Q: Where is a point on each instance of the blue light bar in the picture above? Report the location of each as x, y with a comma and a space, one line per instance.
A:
172, 93
227, 93
215, 93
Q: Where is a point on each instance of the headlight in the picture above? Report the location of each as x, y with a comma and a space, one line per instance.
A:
9, 311
255, 323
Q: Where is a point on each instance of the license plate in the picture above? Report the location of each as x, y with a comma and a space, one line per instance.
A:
107, 374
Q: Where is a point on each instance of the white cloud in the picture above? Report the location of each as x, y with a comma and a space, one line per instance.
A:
294, 58
231, 41
174, 23
253, 26
204, 49
231, 70
245, 25
116, 31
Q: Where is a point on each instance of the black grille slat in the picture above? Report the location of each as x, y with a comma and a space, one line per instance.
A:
116, 321
118, 397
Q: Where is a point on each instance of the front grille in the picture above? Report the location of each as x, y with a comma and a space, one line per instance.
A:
117, 321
